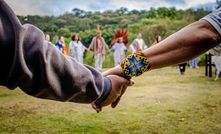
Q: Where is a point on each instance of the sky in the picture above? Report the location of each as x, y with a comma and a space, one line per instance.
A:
59, 7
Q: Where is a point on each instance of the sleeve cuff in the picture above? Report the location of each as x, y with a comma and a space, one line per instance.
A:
106, 91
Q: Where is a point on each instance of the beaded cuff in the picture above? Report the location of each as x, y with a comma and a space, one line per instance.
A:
135, 64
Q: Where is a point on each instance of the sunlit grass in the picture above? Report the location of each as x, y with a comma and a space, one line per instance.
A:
161, 101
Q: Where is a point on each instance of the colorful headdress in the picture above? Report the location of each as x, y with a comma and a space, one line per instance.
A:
120, 33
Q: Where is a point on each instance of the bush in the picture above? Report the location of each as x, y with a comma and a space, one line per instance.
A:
202, 59
108, 62
64, 32
88, 58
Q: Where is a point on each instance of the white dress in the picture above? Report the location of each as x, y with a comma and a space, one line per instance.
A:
76, 50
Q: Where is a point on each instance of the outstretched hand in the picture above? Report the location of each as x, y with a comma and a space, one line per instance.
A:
119, 86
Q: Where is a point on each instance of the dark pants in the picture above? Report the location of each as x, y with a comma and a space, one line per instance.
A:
182, 68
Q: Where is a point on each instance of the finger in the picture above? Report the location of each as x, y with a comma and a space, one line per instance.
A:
115, 103
127, 82
131, 82
96, 107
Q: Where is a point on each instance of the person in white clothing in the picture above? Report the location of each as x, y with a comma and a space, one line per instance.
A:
137, 44
76, 48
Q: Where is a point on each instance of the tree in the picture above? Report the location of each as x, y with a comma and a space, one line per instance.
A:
122, 10
163, 12
199, 13
134, 11
78, 12
64, 32
60, 22
173, 13
152, 13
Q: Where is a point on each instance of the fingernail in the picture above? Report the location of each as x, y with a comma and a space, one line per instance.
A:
131, 82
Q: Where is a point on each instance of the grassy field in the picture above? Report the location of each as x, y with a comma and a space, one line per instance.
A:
161, 102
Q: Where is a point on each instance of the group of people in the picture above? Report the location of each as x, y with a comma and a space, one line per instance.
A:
99, 47
38, 69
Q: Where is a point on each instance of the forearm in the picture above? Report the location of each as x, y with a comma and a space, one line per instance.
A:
39, 68
91, 46
189, 42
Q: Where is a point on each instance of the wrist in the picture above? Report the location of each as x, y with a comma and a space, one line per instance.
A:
106, 91
135, 64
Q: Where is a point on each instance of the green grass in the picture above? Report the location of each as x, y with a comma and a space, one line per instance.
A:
161, 102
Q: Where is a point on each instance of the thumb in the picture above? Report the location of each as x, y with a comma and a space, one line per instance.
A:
127, 82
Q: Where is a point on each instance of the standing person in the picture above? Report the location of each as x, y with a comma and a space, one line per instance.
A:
40, 70
182, 68
60, 44
47, 38
194, 63
99, 47
137, 44
157, 40
119, 48
76, 48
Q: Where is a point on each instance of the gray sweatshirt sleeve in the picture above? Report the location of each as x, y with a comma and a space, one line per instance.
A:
40, 69
214, 19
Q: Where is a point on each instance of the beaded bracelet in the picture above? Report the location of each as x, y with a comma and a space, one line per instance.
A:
135, 64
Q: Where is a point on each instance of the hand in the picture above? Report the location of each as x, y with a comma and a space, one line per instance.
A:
119, 86
115, 71
88, 49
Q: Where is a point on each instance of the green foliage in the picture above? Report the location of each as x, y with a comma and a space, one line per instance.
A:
134, 28
202, 58
64, 32
150, 28
149, 33
88, 59
86, 36
4, 95
161, 21
109, 61
108, 35
132, 36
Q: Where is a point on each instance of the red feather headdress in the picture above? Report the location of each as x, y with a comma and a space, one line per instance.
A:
120, 33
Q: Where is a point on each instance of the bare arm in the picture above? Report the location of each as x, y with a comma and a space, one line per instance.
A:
182, 46
91, 46
189, 42
106, 46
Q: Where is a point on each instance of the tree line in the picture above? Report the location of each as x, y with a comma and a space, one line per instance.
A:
161, 21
